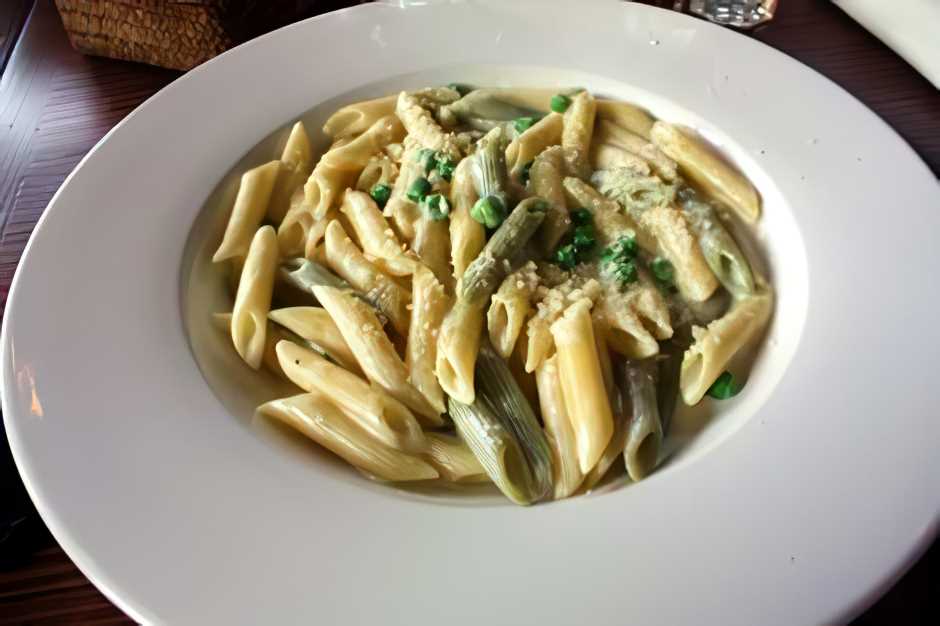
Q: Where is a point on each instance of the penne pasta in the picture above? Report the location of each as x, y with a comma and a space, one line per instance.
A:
374, 351
379, 414
635, 319
705, 167
523, 149
453, 460
272, 334
615, 447
626, 116
610, 221
559, 430
375, 236
315, 325
380, 170
354, 119
421, 125
551, 306
432, 245
582, 383
609, 133
400, 209
467, 236
510, 308
322, 192
313, 415
545, 180
253, 299
607, 156
678, 244
251, 203
355, 155
443, 213
716, 345
348, 262
577, 133
294, 171
429, 304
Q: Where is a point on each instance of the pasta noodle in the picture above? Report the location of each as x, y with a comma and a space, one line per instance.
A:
253, 300
354, 119
429, 305
454, 460
294, 171
626, 116
467, 235
545, 133
707, 169
461, 262
545, 177
319, 419
717, 344
510, 307
558, 428
254, 192
582, 383
315, 325
381, 415
577, 133
345, 259
374, 351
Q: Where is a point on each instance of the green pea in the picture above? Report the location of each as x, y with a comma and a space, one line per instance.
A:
523, 124
419, 189
724, 387
662, 270
560, 103
489, 211
381, 193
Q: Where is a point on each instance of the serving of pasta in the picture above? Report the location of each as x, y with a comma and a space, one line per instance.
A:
494, 285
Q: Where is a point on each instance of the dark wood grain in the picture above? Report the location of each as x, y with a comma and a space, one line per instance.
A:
55, 105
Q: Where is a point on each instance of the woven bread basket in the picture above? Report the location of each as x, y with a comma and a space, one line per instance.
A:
178, 34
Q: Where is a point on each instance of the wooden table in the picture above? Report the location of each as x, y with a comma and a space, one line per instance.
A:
56, 104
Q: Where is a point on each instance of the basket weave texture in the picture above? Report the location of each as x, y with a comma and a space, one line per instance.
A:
169, 33
178, 34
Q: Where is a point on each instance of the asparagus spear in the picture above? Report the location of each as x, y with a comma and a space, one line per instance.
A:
503, 433
489, 178
490, 267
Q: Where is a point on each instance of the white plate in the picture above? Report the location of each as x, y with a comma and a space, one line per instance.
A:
799, 503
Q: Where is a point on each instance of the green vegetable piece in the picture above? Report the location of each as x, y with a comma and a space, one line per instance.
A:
489, 211
436, 207
381, 193
427, 160
488, 270
419, 189
584, 239
724, 387
523, 124
567, 256
662, 270
461, 89
560, 103
625, 272
579, 217
624, 248
526, 170
446, 167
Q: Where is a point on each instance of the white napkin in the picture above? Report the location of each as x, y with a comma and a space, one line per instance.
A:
910, 27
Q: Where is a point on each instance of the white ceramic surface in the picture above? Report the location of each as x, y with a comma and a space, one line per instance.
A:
798, 504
